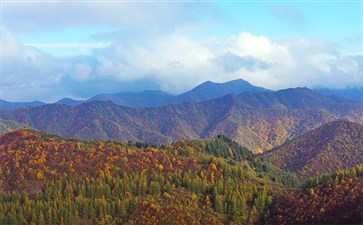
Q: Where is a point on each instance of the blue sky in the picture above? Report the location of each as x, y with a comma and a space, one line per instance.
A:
312, 19
78, 49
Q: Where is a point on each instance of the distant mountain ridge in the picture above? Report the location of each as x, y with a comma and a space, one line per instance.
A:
259, 121
333, 146
153, 98
205, 91
15, 105
354, 94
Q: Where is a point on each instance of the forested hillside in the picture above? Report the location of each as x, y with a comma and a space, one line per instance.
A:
331, 147
49, 180
330, 199
46, 179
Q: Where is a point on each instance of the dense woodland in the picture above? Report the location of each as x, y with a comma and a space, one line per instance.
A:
46, 179
328, 199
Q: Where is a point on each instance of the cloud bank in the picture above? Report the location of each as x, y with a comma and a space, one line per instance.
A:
175, 63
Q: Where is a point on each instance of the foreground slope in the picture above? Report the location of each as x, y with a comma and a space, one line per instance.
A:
332, 146
50, 180
46, 179
258, 121
332, 199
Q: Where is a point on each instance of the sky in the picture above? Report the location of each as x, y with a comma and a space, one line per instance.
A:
77, 49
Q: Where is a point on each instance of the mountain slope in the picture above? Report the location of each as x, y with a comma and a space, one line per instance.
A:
332, 146
8, 125
136, 100
259, 121
292, 98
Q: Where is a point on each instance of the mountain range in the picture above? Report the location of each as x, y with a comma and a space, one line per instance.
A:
326, 149
259, 121
205, 91
152, 98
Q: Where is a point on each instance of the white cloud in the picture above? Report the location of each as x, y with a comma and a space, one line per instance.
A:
27, 72
177, 62
350, 65
323, 62
82, 72
11, 46
246, 44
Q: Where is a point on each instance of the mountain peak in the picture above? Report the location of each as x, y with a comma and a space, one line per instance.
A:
208, 82
238, 81
69, 101
209, 90
231, 82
